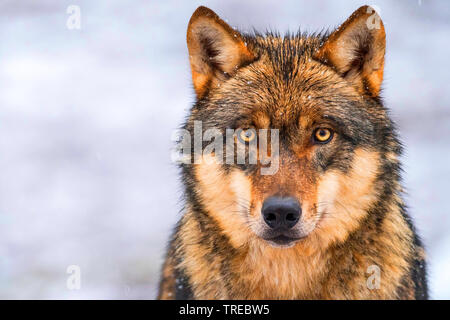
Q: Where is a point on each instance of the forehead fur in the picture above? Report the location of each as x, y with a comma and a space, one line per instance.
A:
287, 81
286, 52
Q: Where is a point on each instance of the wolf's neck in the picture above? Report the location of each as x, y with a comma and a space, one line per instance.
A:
280, 272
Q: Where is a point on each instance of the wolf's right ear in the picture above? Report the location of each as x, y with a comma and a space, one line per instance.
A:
216, 51
356, 50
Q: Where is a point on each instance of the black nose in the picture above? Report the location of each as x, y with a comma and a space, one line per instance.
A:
281, 212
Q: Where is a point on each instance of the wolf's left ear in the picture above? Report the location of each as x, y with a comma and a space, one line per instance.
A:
216, 51
356, 50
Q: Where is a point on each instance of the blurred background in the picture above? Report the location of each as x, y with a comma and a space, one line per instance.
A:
86, 118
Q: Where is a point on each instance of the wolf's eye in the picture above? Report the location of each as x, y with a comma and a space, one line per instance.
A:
246, 136
323, 135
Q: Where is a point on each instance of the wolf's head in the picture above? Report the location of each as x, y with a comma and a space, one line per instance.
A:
335, 150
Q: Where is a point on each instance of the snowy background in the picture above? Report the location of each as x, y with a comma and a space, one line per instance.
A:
86, 118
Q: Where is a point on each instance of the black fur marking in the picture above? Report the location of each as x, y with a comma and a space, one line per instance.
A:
183, 289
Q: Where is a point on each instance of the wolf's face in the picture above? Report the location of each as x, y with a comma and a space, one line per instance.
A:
320, 95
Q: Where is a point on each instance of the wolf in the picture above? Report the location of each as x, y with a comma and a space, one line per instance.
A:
330, 222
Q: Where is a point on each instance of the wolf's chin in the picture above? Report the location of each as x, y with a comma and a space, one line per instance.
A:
282, 245
283, 241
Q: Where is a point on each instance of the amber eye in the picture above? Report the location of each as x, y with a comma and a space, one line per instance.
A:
247, 135
323, 135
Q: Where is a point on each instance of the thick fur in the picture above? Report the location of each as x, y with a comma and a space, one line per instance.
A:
353, 213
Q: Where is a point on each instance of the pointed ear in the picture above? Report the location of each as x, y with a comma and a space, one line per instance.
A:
216, 51
356, 50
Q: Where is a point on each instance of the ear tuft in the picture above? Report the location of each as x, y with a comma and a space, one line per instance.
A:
356, 50
216, 51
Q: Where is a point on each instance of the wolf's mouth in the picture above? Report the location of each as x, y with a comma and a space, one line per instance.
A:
283, 241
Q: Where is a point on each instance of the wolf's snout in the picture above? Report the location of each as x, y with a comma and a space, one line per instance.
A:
281, 213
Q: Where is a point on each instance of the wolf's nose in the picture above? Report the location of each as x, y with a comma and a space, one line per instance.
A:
281, 213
